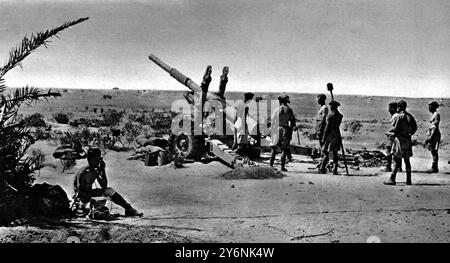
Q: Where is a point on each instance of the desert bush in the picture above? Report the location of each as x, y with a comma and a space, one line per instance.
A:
369, 121
132, 130
41, 133
61, 118
159, 121
35, 120
353, 126
112, 117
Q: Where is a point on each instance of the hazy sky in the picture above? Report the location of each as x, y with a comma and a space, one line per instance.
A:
378, 47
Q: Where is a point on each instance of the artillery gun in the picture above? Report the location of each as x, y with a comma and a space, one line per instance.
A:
208, 133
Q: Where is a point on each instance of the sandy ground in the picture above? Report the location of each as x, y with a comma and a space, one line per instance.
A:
194, 204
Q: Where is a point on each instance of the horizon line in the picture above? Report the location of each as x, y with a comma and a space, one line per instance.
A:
232, 91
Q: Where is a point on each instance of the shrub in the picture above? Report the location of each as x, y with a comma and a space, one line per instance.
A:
353, 126
35, 120
112, 117
61, 118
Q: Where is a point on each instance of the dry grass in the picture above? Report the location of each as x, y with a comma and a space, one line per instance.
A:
253, 173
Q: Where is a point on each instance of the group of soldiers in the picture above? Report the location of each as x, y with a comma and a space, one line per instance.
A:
399, 137
329, 119
399, 146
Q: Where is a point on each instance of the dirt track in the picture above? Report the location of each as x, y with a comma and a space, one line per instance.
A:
194, 204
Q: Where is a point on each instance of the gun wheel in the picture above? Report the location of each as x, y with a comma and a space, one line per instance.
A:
189, 146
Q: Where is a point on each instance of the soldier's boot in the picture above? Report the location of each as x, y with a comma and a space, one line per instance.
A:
336, 163
129, 210
283, 161
408, 178
272, 157
323, 165
388, 167
335, 170
391, 180
435, 166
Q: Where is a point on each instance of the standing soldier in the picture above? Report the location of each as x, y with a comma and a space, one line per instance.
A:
282, 125
434, 135
331, 139
392, 108
241, 126
404, 126
321, 117
223, 83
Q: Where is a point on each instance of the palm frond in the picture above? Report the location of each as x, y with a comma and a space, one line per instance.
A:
29, 44
27, 94
2, 85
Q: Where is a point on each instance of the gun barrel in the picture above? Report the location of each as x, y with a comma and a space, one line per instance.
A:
180, 77
174, 73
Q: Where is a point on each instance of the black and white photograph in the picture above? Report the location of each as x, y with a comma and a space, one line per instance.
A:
224, 121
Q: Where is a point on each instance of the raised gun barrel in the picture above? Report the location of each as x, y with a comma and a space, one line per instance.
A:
174, 73
180, 77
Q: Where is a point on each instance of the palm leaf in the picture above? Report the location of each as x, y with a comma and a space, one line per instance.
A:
29, 44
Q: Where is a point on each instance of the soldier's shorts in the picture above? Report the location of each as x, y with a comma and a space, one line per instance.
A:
283, 138
435, 141
402, 147
332, 145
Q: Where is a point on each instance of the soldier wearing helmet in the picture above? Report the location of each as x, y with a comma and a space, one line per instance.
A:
403, 127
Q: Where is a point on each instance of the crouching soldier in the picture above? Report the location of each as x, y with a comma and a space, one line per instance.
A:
434, 135
331, 140
95, 171
404, 126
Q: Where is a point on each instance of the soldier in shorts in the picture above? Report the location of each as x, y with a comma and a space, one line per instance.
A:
331, 140
434, 136
392, 108
321, 117
404, 126
283, 124
95, 171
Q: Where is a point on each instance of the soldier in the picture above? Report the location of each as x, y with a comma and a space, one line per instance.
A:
87, 176
392, 108
434, 135
404, 126
283, 124
241, 131
189, 95
223, 82
321, 117
331, 140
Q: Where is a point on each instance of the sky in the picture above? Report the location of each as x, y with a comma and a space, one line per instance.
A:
364, 47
